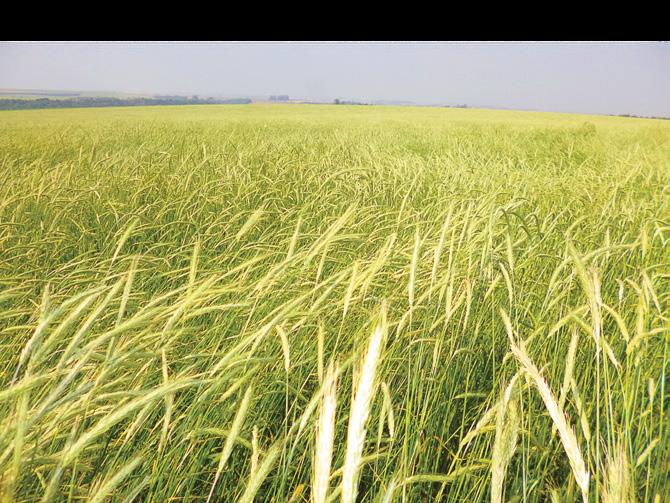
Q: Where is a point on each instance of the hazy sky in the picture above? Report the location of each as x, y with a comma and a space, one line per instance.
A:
566, 77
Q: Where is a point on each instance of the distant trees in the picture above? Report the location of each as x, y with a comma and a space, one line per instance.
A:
643, 116
18, 104
338, 101
279, 97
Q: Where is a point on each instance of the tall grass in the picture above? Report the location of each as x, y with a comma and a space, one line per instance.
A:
428, 304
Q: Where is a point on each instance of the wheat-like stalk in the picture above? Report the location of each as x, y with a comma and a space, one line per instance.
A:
616, 488
360, 409
325, 435
557, 415
504, 445
230, 440
567, 375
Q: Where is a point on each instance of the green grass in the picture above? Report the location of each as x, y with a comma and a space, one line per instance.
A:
185, 292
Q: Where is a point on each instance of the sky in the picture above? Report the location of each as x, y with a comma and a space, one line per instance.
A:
601, 78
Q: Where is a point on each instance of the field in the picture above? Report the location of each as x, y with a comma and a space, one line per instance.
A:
324, 303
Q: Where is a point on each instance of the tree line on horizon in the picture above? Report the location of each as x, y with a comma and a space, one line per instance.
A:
18, 104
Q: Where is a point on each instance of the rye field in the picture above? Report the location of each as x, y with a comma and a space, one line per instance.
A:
295, 303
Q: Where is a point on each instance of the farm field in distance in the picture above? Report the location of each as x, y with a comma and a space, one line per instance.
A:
297, 303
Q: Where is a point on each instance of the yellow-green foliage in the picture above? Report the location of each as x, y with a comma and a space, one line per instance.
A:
157, 264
